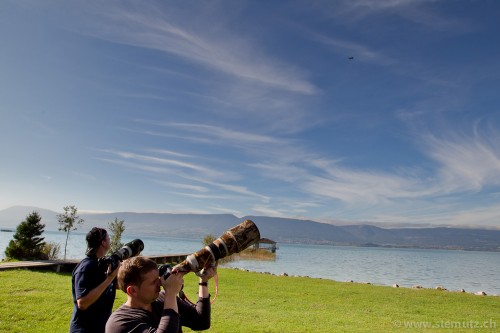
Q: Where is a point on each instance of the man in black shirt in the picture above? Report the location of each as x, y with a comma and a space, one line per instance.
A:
92, 287
143, 311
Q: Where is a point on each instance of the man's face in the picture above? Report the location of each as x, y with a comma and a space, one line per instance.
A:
149, 289
106, 243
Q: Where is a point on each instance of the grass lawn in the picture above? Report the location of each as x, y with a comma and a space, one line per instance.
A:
34, 301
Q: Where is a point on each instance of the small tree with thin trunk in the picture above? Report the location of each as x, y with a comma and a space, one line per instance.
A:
116, 228
68, 222
27, 243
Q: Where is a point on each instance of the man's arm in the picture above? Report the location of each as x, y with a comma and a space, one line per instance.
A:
198, 317
169, 321
87, 300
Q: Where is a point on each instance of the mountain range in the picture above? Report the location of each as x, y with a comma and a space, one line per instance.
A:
284, 230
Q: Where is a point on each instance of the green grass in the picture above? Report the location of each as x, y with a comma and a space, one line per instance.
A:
32, 301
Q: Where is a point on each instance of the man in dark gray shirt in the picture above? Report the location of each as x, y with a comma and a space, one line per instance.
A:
143, 312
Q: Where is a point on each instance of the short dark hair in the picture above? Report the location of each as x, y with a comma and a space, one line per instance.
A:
132, 271
94, 238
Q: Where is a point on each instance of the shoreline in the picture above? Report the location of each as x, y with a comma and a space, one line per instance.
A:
417, 287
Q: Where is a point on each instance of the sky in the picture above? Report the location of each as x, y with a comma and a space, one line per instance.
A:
345, 111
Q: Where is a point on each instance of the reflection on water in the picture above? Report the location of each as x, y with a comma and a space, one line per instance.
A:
472, 271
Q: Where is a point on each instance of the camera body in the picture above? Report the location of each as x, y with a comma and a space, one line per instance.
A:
165, 271
131, 249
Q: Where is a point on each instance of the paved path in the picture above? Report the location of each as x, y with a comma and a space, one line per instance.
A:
56, 264
69, 264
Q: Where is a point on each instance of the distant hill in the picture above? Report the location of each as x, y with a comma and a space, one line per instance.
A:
283, 230
12, 216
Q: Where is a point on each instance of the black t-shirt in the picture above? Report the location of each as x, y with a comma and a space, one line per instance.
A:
129, 320
86, 276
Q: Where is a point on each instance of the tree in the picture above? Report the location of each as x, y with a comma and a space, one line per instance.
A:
68, 222
27, 243
116, 228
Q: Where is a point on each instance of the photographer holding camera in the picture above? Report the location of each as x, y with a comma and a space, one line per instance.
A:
144, 311
92, 286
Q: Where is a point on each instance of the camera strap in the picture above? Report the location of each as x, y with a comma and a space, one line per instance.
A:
183, 296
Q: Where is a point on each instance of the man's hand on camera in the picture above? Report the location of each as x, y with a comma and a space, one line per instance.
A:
173, 284
207, 273
113, 273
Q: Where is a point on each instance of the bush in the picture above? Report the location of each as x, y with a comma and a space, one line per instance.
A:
52, 250
208, 239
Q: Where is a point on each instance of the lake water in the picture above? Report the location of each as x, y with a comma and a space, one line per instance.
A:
454, 270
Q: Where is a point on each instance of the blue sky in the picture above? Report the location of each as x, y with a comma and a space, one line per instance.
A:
254, 108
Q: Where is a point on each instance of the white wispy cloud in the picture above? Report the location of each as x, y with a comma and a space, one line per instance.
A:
240, 71
238, 189
460, 164
226, 210
169, 152
268, 211
190, 172
195, 188
489, 215
432, 15
457, 165
383, 4
164, 29
203, 196
147, 169
226, 135
201, 175
128, 155
245, 140
467, 163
